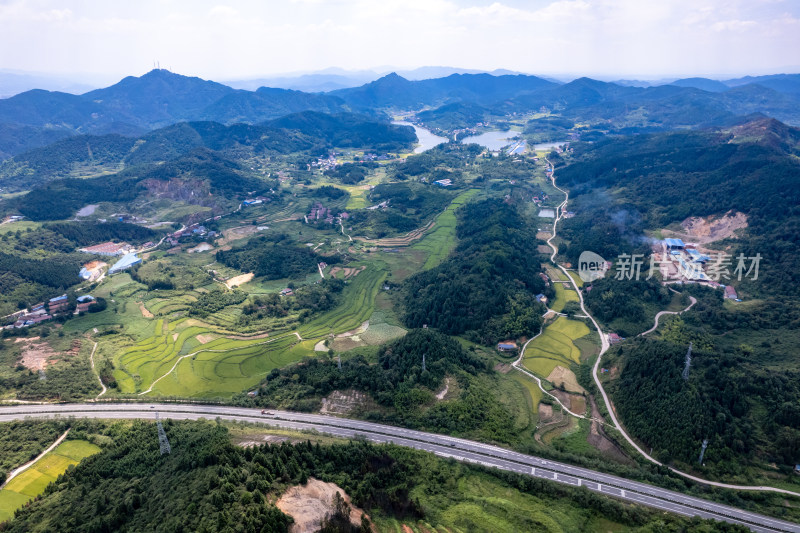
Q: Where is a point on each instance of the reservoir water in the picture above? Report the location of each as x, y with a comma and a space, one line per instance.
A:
425, 138
493, 140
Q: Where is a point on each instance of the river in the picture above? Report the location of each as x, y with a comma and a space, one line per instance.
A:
425, 138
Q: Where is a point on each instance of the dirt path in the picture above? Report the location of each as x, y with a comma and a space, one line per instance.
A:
17, 471
91, 359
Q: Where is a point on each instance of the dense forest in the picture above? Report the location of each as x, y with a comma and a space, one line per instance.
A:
408, 206
648, 181
273, 257
486, 287
85, 234
741, 393
402, 389
207, 484
351, 173
627, 306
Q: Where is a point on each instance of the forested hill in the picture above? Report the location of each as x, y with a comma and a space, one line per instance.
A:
309, 131
395, 91
347, 130
655, 180
486, 288
138, 104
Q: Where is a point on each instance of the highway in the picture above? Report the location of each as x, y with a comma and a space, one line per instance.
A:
441, 445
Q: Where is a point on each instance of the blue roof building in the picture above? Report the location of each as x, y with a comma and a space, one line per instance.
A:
127, 261
673, 243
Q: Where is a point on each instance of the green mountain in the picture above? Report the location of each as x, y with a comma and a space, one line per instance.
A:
159, 97
395, 91
705, 84
267, 104
348, 130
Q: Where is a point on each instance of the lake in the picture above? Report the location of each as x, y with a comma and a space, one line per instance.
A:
425, 138
493, 140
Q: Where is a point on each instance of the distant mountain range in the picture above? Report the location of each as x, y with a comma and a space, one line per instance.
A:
136, 105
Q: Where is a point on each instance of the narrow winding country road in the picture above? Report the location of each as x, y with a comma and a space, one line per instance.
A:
604, 348
692, 301
441, 445
518, 365
17, 471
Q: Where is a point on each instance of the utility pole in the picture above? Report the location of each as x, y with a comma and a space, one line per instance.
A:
688, 362
339, 361
163, 443
423, 362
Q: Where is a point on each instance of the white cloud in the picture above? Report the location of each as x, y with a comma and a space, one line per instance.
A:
236, 38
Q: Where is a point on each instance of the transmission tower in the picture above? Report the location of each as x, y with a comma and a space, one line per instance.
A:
703, 451
166, 449
688, 362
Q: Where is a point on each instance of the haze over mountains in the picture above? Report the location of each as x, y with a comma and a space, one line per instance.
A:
159, 98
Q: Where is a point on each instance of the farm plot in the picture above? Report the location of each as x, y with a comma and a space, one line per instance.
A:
180, 360
555, 347
357, 306
35, 479
441, 239
564, 294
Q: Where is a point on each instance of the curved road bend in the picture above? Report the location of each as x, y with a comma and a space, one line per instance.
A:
442, 445
604, 348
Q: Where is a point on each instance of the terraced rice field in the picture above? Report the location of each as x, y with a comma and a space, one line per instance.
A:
555, 347
441, 239
174, 362
33, 481
563, 295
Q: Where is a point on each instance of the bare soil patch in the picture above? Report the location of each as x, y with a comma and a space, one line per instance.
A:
241, 279
249, 441
705, 230
343, 402
36, 356
566, 378
204, 338
309, 504
202, 247
239, 232
442, 393
39, 355
503, 368
143, 309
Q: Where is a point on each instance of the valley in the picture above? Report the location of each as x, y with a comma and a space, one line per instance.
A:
271, 252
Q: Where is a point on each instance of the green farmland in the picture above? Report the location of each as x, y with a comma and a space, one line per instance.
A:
32, 482
555, 347
441, 239
564, 294
189, 358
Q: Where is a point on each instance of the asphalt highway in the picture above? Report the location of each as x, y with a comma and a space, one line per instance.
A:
441, 445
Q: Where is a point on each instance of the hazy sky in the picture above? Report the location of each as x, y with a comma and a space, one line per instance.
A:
236, 39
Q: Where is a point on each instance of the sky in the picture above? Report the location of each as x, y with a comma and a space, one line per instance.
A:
225, 40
